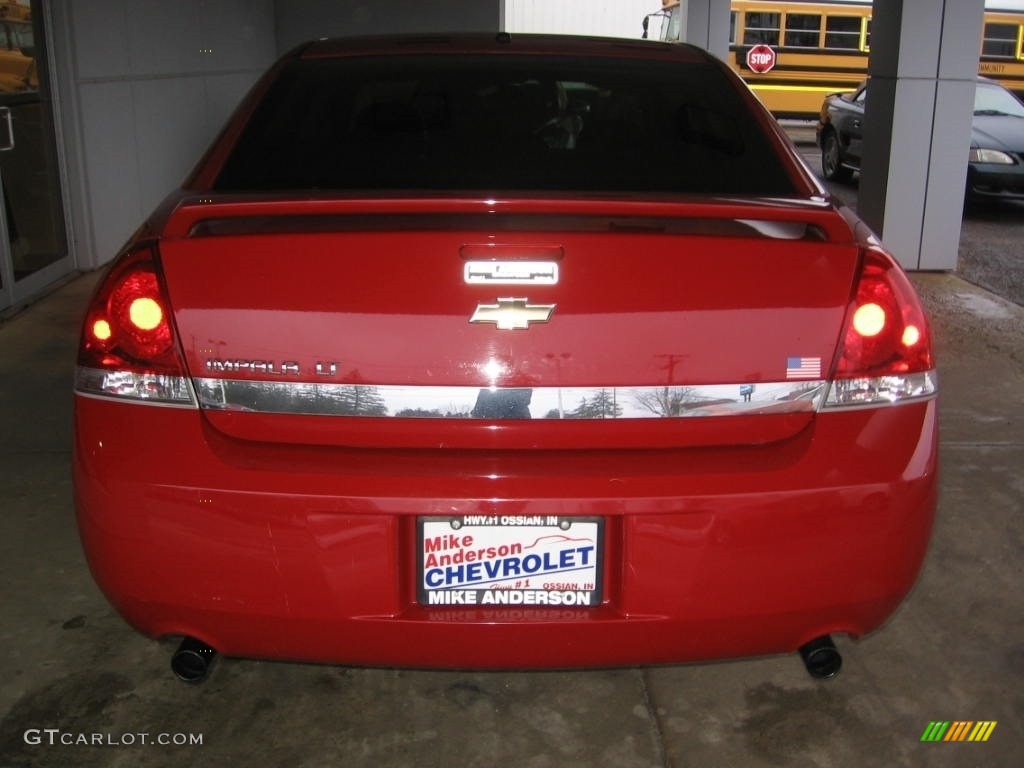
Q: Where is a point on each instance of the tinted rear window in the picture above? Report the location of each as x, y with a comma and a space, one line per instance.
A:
434, 123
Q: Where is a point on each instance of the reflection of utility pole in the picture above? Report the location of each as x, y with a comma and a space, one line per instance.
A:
671, 361
558, 372
671, 403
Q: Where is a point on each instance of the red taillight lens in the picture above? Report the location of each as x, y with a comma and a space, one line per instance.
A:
128, 324
886, 328
128, 346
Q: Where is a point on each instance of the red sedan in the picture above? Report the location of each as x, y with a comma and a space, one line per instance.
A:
504, 352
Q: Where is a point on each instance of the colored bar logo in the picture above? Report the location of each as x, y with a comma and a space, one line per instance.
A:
959, 730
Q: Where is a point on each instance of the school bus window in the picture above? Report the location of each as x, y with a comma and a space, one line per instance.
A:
802, 30
842, 32
762, 28
1000, 41
22, 34
732, 28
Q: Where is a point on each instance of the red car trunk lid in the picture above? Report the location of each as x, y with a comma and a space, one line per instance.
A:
601, 324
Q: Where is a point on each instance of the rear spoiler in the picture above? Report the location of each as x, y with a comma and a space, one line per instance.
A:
811, 219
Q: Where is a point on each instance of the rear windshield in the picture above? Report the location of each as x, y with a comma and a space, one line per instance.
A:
518, 123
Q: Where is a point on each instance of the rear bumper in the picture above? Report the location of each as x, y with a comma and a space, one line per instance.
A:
308, 553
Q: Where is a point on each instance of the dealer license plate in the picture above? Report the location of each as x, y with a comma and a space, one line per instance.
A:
522, 560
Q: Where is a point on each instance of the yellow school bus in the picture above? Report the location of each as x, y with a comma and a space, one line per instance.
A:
17, 49
1002, 49
822, 47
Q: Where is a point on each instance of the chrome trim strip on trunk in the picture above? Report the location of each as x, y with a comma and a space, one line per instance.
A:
433, 402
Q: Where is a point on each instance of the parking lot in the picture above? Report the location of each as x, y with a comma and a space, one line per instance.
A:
80, 688
990, 251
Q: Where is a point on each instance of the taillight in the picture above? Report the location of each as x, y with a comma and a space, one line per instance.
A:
886, 350
128, 346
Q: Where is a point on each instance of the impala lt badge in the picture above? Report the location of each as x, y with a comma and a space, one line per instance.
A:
511, 273
511, 314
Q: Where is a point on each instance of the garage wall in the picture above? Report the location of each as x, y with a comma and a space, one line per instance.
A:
602, 18
301, 20
143, 86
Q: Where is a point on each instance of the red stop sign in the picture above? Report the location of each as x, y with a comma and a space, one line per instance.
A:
761, 59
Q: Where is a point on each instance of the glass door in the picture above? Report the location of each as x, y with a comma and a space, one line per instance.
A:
33, 243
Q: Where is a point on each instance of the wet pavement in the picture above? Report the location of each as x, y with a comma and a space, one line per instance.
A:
73, 671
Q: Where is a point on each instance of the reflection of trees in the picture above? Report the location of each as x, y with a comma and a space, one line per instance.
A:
342, 400
602, 406
667, 401
358, 400
419, 413
434, 413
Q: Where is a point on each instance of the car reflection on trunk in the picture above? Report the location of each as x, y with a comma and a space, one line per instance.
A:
502, 404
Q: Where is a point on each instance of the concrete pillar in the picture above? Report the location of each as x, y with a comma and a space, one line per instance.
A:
924, 61
706, 24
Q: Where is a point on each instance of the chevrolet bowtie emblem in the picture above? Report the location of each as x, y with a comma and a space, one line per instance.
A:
512, 314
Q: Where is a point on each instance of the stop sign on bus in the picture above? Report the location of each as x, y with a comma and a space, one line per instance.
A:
761, 59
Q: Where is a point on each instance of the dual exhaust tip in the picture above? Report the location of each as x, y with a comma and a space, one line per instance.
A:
821, 658
193, 659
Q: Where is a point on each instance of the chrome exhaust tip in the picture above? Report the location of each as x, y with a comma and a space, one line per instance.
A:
192, 661
821, 658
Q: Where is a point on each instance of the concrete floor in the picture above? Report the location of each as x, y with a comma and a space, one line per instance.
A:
955, 650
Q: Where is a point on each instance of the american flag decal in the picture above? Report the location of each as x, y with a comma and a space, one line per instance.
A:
803, 367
